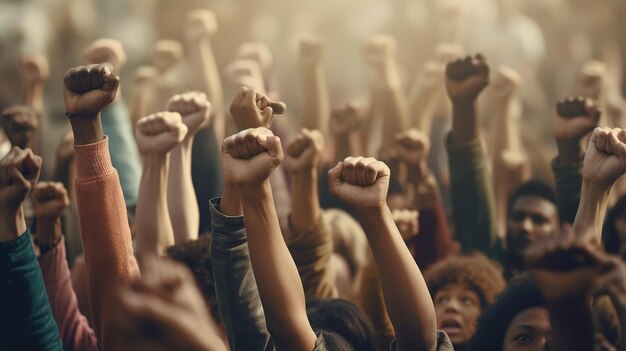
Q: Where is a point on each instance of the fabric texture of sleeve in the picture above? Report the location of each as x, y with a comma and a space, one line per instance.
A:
26, 321
238, 298
311, 250
76, 334
123, 149
205, 173
105, 234
472, 195
569, 180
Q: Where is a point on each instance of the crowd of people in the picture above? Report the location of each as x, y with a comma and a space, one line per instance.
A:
414, 221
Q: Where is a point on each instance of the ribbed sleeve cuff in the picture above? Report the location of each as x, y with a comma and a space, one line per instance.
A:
465, 158
93, 161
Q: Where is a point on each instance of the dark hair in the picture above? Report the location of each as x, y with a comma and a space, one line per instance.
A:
479, 273
532, 188
610, 237
520, 295
196, 255
335, 342
344, 318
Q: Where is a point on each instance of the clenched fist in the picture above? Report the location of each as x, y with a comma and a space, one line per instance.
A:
605, 159
412, 147
466, 78
200, 24
311, 51
104, 51
159, 133
35, 68
345, 120
360, 182
89, 89
303, 153
251, 109
20, 125
250, 156
574, 118
50, 199
19, 172
407, 222
194, 108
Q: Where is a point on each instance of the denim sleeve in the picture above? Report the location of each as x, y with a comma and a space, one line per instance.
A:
237, 296
26, 321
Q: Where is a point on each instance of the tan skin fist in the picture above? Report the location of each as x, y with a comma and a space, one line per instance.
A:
35, 68
250, 156
605, 159
246, 73
407, 222
360, 182
466, 78
50, 199
19, 172
200, 24
311, 51
167, 53
412, 147
574, 118
20, 124
104, 51
304, 152
345, 120
251, 109
89, 89
505, 83
194, 108
159, 133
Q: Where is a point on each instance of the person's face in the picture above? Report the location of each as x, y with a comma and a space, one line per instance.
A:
457, 307
531, 218
529, 331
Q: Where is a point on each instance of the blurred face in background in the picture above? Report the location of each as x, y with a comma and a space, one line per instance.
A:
530, 218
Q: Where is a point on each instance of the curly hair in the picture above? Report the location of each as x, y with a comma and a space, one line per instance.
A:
481, 274
196, 255
520, 294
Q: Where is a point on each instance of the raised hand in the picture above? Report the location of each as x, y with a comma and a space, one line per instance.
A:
159, 133
251, 109
379, 50
167, 53
89, 89
250, 156
304, 152
256, 51
605, 159
107, 51
345, 119
50, 199
194, 108
200, 24
311, 51
35, 69
574, 118
466, 78
246, 72
19, 172
360, 182
20, 125
412, 147
592, 79
505, 83
407, 222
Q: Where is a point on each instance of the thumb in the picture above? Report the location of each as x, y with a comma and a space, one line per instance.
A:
111, 81
267, 115
272, 144
334, 178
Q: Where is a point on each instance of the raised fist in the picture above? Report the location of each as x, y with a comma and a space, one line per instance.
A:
167, 53
466, 78
431, 74
106, 51
194, 108
247, 73
50, 199
592, 79
380, 49
144, 75
251, 109
346, 119
20, 125
506, 82
200, 24
360, 182
35, 68
250, 156
303, 153
311, 51
256, 51
605, 159
574, 118
19, 172
412, 147
89, 89
159, 133
447, 52
407, 222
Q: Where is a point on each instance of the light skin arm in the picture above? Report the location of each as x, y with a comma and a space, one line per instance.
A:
315, 109
363, 183
181, 197
141, 90
35, 72
156, 136
425, 95
344, 124
248, 159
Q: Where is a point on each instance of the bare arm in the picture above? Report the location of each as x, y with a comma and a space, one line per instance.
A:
315, 109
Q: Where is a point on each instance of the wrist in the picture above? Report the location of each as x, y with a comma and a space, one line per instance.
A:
48, 231
251, 191
12, 224
569, 150
87, 129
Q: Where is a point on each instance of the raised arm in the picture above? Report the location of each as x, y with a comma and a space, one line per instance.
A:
35, 72
181, 197
248, 159
363, 183
20, 124
315, 108
26, 316
49, 200
573, 119
473, 203
344, 125
157, 135
102, 215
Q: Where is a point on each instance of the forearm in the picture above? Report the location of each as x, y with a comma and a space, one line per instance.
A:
181, 197
465, 126
568, 180
572, 325
395, 113
422, 106
32, 96
152, 221
275, 271
12, 224
315, 111
346, 144
591, 210
212, 85
305, 204
406, 295
49, 232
